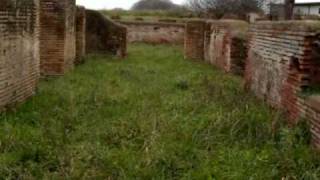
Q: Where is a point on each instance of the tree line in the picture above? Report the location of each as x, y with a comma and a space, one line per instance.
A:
217, 9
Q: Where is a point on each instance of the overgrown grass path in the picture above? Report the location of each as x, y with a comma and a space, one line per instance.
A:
153, 115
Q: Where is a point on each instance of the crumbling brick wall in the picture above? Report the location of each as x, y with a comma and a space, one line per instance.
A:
225, 45
80, 34
19, 50
105, 36
281, 63
221, 43
155, 32
57, 36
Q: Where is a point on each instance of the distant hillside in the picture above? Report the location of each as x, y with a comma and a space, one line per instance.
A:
155, 5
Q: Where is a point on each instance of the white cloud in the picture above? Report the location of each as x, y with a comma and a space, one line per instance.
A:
110, 4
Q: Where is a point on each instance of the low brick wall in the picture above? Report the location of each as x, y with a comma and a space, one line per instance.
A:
221, 43
225, 45
105, 36
80, 34
155, 32
19, 50
282, 63
57, 36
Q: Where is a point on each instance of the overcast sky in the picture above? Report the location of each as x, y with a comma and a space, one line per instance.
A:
126, 4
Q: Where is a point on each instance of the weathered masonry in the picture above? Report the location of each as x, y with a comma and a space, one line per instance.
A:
220, 43
283, 68
194, 39
225, 45
57, 36
155, 32
104, 35
280, 61
19, 52
80, 34
283, 63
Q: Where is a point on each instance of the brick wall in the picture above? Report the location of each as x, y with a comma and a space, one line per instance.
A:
225, 44
282, 64
221, 43
194, 39
57, 36
105, 36
80, 34
19, 50
155, 32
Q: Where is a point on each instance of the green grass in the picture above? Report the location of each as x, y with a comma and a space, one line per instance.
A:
153, 115
310, 91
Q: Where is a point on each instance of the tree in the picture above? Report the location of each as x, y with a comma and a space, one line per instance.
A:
154, 5
220, 8
281, 9
289, 6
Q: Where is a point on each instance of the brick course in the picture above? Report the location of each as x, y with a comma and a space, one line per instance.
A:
57, 36
19, 50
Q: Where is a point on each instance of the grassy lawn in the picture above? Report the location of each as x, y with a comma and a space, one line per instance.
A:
153, 115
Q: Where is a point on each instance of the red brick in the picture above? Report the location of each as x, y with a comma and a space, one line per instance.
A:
19, 50
57, 36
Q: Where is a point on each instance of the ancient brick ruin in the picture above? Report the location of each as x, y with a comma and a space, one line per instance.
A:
279, 60
155, 32
57, 36
220, 43
19, 52
282, 63
44, 37
225, 45
80, 34
104, 36
194, 39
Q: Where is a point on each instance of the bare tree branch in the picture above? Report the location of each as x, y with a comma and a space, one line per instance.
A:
220, 8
